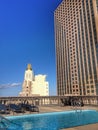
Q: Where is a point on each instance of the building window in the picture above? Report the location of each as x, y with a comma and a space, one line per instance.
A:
92, 87
92, 91
77, 90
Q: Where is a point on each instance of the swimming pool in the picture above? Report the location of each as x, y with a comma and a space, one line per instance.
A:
53, 121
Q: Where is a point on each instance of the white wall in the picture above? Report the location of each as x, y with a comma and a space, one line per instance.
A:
40, 86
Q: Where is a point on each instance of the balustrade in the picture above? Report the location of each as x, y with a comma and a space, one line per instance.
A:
48, 100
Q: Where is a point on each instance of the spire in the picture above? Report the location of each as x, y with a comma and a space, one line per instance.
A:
29, 67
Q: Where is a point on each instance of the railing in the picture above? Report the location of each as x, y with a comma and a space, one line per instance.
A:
5, 123
48, 100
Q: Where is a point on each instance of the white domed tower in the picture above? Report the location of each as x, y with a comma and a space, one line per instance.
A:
29, 75
27, 83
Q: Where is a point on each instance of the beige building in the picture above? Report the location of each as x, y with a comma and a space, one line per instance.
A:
34, 85
76, 42
40, 86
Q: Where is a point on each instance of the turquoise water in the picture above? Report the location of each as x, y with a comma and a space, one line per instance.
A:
52, 121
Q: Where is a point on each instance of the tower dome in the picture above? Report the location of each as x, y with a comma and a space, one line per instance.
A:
29, 67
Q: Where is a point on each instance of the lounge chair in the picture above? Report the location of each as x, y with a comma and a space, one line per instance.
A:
3, 108
30, 108
15, 108
35, 108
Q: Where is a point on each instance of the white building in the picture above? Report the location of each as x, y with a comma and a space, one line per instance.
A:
40, 86
34, 85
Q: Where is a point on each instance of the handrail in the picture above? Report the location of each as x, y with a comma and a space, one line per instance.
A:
2, 118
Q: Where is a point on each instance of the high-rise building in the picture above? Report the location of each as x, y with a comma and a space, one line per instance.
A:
34, 85
76, 43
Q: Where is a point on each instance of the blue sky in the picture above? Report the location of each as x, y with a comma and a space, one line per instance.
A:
26, 36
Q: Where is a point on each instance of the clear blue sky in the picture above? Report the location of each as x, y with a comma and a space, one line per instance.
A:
26, 36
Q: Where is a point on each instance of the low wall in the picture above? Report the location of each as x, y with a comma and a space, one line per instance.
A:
48, 100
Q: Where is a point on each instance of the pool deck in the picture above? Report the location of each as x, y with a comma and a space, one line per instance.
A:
47, 109
85, 127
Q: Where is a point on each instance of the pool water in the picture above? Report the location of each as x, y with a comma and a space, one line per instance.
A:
53, 121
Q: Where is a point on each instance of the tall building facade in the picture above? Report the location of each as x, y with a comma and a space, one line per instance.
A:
76, 43
34, 85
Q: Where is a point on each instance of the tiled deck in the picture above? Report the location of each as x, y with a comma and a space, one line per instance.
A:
85, 127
